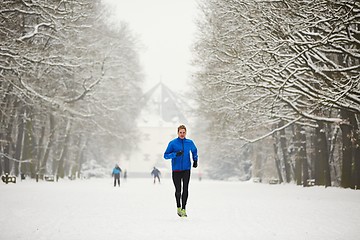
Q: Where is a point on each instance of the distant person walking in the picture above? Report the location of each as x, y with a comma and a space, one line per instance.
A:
156, 173
116, 174
178, 150
125, 175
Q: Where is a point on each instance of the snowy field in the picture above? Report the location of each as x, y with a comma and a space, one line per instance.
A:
95, 210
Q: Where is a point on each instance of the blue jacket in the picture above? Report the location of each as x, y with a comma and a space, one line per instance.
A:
182, 162
116, 171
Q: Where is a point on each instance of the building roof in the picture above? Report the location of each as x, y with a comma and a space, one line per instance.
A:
161, 107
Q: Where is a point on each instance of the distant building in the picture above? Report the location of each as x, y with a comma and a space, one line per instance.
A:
162, 113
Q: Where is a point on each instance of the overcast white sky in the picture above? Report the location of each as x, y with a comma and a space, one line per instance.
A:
166, 29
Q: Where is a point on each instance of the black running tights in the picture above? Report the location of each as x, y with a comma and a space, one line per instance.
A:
184, 177
116, 180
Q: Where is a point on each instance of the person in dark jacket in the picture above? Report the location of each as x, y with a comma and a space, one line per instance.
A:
116, 174
156, 173
178, 150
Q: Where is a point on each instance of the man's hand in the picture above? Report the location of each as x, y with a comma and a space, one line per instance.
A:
195, 164
179, 153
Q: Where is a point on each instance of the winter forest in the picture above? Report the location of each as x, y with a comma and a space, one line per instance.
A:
277, 89
281, 79
69, 87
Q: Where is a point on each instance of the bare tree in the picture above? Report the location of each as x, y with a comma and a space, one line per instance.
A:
278, 61
59, 61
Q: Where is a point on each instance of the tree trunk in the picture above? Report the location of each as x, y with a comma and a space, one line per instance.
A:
355, 140
40, 152
332, 157
34, 160
303, 153
346, 129
298, 155
301, 162
28, 148
283, 145
276, 157
64, 152
322, 170
2, 124
19, 140
48, 146
9, 127
312, 154
77, 161
356, 155
81, 156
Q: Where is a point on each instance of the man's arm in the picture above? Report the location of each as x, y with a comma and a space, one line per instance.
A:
194, 152
169, 154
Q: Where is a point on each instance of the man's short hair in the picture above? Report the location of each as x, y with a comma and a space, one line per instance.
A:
181, 127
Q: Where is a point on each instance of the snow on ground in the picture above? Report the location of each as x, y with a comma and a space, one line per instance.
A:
95, 210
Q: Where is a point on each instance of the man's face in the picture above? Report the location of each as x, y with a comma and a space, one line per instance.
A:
182, 133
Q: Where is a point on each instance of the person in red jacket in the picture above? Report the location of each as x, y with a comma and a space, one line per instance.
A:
178, 150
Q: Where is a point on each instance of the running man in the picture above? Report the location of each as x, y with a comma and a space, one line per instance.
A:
178, 151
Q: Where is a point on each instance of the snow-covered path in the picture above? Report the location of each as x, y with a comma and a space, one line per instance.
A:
95, 210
